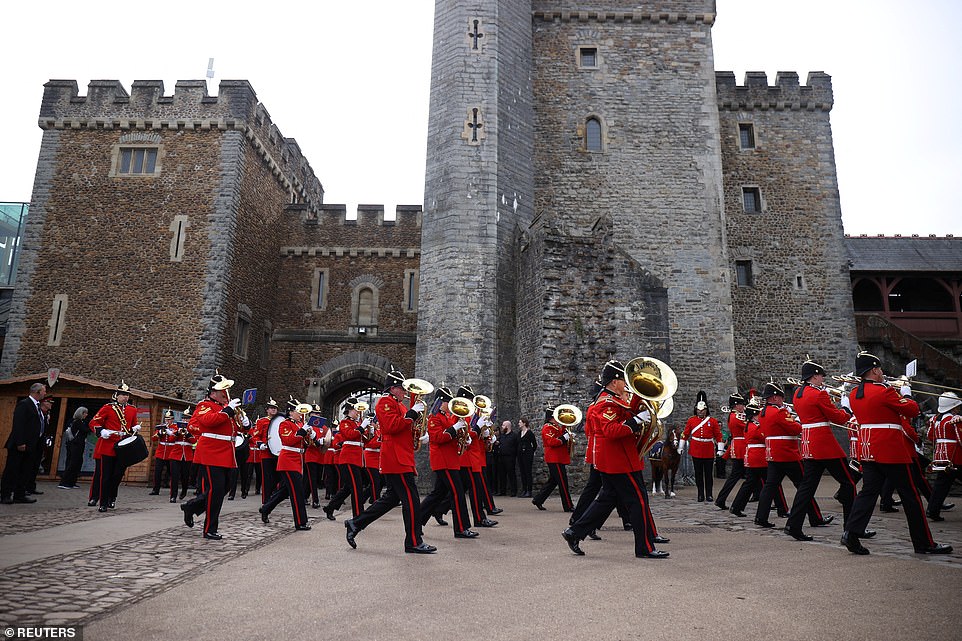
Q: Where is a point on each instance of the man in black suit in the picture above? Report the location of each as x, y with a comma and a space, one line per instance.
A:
22, 446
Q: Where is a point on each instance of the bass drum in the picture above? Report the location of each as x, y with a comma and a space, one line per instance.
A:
242, 448
131, 450
273, 435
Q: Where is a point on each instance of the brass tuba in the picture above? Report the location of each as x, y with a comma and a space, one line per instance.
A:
655, 383
417, 389
463, 408
568, 416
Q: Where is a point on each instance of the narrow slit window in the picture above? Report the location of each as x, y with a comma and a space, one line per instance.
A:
593, 134
58, 319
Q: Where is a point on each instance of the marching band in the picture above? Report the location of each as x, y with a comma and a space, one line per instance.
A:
369, 456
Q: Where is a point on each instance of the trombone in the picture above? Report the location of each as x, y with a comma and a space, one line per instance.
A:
891, 381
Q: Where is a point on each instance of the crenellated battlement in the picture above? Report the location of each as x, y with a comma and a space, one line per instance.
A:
785, 95
368, 216
108, 106
668, 11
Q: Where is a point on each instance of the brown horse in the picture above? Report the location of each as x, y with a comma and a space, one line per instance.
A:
664, 460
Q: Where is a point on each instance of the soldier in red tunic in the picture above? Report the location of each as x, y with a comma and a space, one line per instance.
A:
444, 430
268, 460
161, 439
887, 451
782, 437
946, 435
704, 435
397, 468
736, 447
314, 459
351, 460
557, 456
615, 421
180, 456
820, 449
372, 457
294, 436
214, 424
112, 422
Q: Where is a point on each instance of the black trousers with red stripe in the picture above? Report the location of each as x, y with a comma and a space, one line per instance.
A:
628, 489
813, 470
212, 484
268, 476
401, 489
471, 482
179, 469
557, 477
376, 484
290, 485
752, 485
778, 470
874, 476
447, 484
351, 485
312, 481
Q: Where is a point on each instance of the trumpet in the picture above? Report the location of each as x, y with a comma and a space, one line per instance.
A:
464, 409
835, 392
940, 466
418, 388
568, 416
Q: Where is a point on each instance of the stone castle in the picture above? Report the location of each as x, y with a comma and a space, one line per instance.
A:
611, 193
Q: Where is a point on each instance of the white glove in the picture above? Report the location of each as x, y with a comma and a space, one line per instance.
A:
107, 433
470, 440
682, 446
906, 390
171, 432
494, 439
461, 425
246, 422
262, 446
424, 439
135, 428
720, 448
845, 402
365, 423
234, 403
418, 407
486, 433
643, 416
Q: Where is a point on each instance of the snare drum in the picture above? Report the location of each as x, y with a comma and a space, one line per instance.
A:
131, 450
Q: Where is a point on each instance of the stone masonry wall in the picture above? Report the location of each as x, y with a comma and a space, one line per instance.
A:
797, 235
658, 176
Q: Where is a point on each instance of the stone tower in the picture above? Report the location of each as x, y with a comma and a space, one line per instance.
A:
622, 252
478, 195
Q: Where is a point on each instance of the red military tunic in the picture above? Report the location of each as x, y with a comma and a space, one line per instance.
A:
258, 439
616, 449
880, 413
115, 418
476, 452
351, 442
946, 435
755, 446
372, 450
162, 438
443, 451
291, 457
555, 450
590, 446
782, 434
816, 412
397, 448
181, 446
736, 427
702, 434
215, 431
314, 453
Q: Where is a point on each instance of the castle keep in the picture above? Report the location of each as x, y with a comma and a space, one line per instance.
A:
593, 189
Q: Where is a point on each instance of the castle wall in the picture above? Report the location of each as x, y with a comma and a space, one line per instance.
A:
658, 178
781, 320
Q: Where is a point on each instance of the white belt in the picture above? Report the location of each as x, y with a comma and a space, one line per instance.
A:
782, 438
219, 437
738, 438
372, 449
358, 443
299, 450
703, 440
754, 445
822, 424
945, 440
184, 443
881, 426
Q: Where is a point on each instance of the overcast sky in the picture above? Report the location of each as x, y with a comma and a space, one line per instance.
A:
349, 81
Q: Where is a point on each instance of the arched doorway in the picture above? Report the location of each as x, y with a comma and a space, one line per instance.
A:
355, 374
